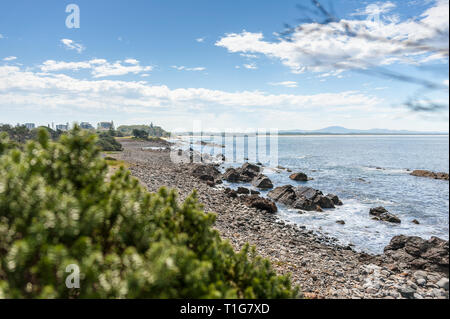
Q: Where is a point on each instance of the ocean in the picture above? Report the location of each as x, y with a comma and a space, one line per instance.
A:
365, 172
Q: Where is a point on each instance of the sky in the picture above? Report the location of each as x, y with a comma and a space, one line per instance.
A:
224, 64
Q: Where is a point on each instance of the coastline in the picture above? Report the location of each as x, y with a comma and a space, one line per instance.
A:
321, 267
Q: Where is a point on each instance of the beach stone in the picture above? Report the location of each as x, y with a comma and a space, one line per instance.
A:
415, 221
381, 213
263, 182
407, 292
340, 222
421, 282
299, 177
443, 283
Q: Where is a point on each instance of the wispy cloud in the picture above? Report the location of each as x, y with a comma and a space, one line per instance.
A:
200, 40
184, 68
99, 67
250, 66
325, 48
289, 84
10, 58
1, 36
72, 45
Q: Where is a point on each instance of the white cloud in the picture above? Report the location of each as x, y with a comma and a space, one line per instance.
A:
10, 58
250, 66
132, 61
1, 36
72, 45
183, 68
325, 48
249, 56
375, 9
288, 84
200, 40
21, 86
99, 67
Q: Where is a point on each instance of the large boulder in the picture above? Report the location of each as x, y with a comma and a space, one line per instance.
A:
336, 201
304, 198
231, 175
244, 174
299, 177
262, 181
381, 213
205, 172
259, 203
429, 174
418, 253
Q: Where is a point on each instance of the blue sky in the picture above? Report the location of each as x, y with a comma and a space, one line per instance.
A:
221, 63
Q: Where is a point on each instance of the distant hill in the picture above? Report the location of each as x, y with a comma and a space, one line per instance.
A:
343, 130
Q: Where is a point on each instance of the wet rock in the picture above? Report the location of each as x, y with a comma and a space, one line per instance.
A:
381, 213
336, 201
418, 253
304, 198
259, 203
250, 170
415, 221
263, 182
430, 174
244, 174
299, 177
340, 222
231, 175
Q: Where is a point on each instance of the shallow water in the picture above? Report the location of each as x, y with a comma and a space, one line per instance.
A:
349, 166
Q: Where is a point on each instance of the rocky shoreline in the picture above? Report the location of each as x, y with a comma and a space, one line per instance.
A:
410, 267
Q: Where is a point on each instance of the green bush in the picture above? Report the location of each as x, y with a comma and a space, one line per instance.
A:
58, 207
108, 143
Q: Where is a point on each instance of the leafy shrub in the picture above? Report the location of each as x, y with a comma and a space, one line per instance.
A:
57, 207
108, 143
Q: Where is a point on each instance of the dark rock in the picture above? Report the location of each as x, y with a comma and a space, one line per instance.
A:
429, 174
245, 174
250, 170
418, 253
253, 192
299, 177
340, 222
381, 213
263, 182
336, 201
231, 175
260, 203
304, 198
243, 190
231, 193
415, 221
205, 172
